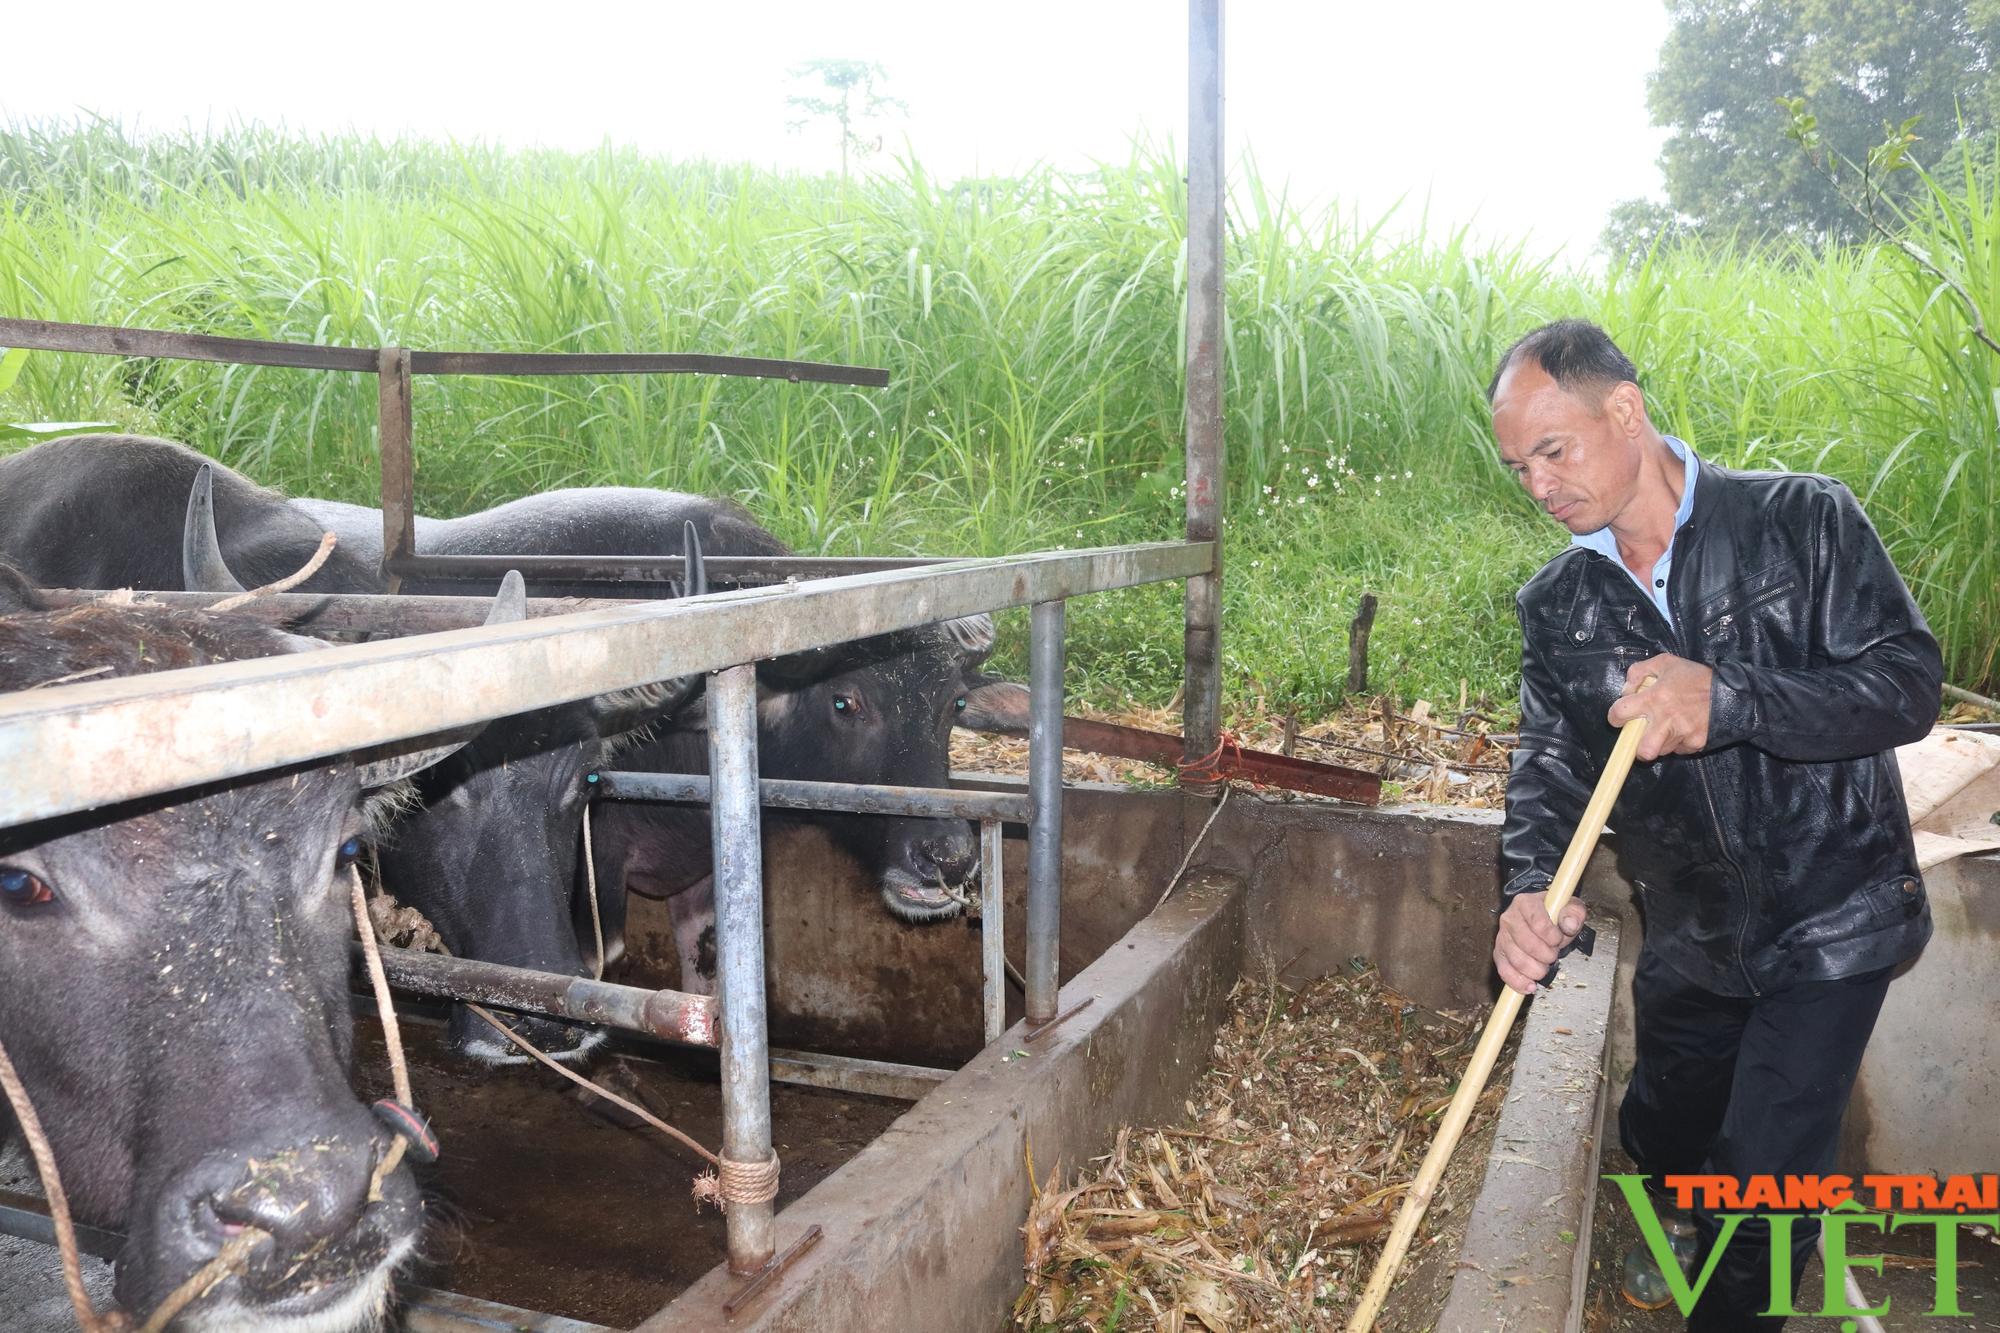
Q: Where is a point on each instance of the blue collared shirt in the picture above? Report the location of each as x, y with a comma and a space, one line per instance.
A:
1604, 543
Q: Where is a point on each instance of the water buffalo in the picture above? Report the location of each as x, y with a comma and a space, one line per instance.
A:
877, 711
107, 511
174, 993
487, 850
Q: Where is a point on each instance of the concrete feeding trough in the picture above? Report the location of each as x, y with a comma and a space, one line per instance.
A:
918, 1203
920, 1227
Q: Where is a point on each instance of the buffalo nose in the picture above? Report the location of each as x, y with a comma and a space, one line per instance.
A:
952, 859
301, 1196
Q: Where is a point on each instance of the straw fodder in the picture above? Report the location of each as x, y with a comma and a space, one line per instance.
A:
1264, 1209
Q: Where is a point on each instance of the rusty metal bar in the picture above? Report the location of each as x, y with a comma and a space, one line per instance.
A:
670, 1015
94, 743
487, 569
771, 1272
735, 821
49, 336
399, 465
861, 798
1277, 770
873, 1078
1201, 696
992, 930
1045, 688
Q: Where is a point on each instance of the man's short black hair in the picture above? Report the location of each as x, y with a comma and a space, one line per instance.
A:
1575, 353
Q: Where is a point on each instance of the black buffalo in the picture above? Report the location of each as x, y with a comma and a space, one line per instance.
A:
877, 711
174, 992
490, 829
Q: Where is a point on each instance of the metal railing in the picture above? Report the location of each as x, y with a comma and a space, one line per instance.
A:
393, 368
92, 744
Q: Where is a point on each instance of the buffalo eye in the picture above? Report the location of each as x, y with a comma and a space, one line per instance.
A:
847, 705
24, 888
348, 853
959, 703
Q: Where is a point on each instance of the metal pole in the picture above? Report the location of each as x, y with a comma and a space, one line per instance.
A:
861, 798
739, 936
993, 928
1045, 724
667, 1014
1201, 695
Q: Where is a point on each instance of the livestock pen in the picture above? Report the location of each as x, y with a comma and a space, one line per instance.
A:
931, 1093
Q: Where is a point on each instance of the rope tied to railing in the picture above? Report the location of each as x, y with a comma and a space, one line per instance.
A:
1213, 768
749, 1182
728, 1182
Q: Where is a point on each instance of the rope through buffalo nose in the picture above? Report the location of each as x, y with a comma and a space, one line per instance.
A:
230, 1259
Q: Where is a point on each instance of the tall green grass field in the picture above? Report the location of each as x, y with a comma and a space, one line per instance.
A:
1033, 331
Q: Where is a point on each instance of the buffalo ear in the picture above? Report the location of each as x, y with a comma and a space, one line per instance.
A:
510, 605
672, 702
996, 705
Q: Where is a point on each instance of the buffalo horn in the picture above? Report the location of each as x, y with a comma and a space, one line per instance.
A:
202, 567
509, 606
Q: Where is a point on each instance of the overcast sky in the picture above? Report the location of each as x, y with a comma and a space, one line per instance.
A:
1525, 121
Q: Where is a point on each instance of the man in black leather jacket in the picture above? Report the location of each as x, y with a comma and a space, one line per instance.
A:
1764, 825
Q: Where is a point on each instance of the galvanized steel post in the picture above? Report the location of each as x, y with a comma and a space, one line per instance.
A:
1201, 696
739, 947
992, 929
1045, 729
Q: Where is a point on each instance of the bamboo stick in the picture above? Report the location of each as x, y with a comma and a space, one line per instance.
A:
1505, 1009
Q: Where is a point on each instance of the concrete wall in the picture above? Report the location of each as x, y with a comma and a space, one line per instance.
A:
922, 1230
1411, 889
1931, 1079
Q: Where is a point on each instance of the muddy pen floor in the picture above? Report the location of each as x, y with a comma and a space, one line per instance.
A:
542, 1203
537, 1201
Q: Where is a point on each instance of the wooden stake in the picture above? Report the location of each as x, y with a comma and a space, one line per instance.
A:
1490, 1041
1357, 644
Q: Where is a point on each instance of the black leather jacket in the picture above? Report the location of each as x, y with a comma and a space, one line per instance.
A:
1782, 852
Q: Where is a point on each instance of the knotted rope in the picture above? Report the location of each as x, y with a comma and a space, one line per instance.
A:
733, 1182
1213, 768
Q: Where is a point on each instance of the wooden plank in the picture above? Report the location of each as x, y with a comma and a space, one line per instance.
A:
106, 340
399, 465
644, 363
49, 336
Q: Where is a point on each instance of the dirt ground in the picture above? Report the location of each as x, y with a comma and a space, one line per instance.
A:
1436, 756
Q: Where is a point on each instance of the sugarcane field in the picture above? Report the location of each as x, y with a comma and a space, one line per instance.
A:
1075, 669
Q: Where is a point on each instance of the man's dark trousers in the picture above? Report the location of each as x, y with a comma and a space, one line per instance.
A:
1739, 1087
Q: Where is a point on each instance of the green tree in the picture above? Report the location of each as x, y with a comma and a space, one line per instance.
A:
1637, 227
853, 104
1861, 64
